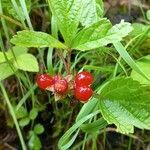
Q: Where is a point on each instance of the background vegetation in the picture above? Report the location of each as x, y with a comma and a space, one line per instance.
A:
31, 117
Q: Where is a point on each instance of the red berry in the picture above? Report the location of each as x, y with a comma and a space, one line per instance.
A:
83, 79
57, 77
83, 93
60, 86
44, 81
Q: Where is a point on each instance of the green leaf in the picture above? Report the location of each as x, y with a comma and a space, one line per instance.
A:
92, 36
38, 129
28, 38
100, 34
33, 113
5, 71
125, 103
118, 31
143, 63
68, 15
100, 8
2, 57
16, 50
24, 122
21, 112
26, 62
94, 126
91, 12
34, 142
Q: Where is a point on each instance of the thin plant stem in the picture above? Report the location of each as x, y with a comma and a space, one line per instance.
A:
11, 20
13, 116
60, 54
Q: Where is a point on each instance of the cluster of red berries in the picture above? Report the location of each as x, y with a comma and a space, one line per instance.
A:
80, 87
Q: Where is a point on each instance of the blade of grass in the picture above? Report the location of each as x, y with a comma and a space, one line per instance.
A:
16, 8
64, 139
13, 116
23, 100
4, 23
127, 58
25, 11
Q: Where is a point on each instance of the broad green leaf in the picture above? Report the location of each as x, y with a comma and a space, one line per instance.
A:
143, 63
5, 71
26, 62
17, 50
38, 129
28, 38
68, 15
125, 103
100, 7
100, 34
11, 54
91, 12
24, 122
33, 113
91, 36
118, 31
2, 57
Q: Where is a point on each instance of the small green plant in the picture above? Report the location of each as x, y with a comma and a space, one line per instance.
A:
78, 26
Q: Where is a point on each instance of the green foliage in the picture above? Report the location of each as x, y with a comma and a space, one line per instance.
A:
34, 142
121, 101
95, 126
7, 6
33, 113
35, 39
125, 103
24, 121
100, 34
139, 29
69, 137
87, 109
68, 15
143, 63
92, 36
92, 12
12, 53
128, 59
21, 112
38, 129
18, 59
5, 71
26, 62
